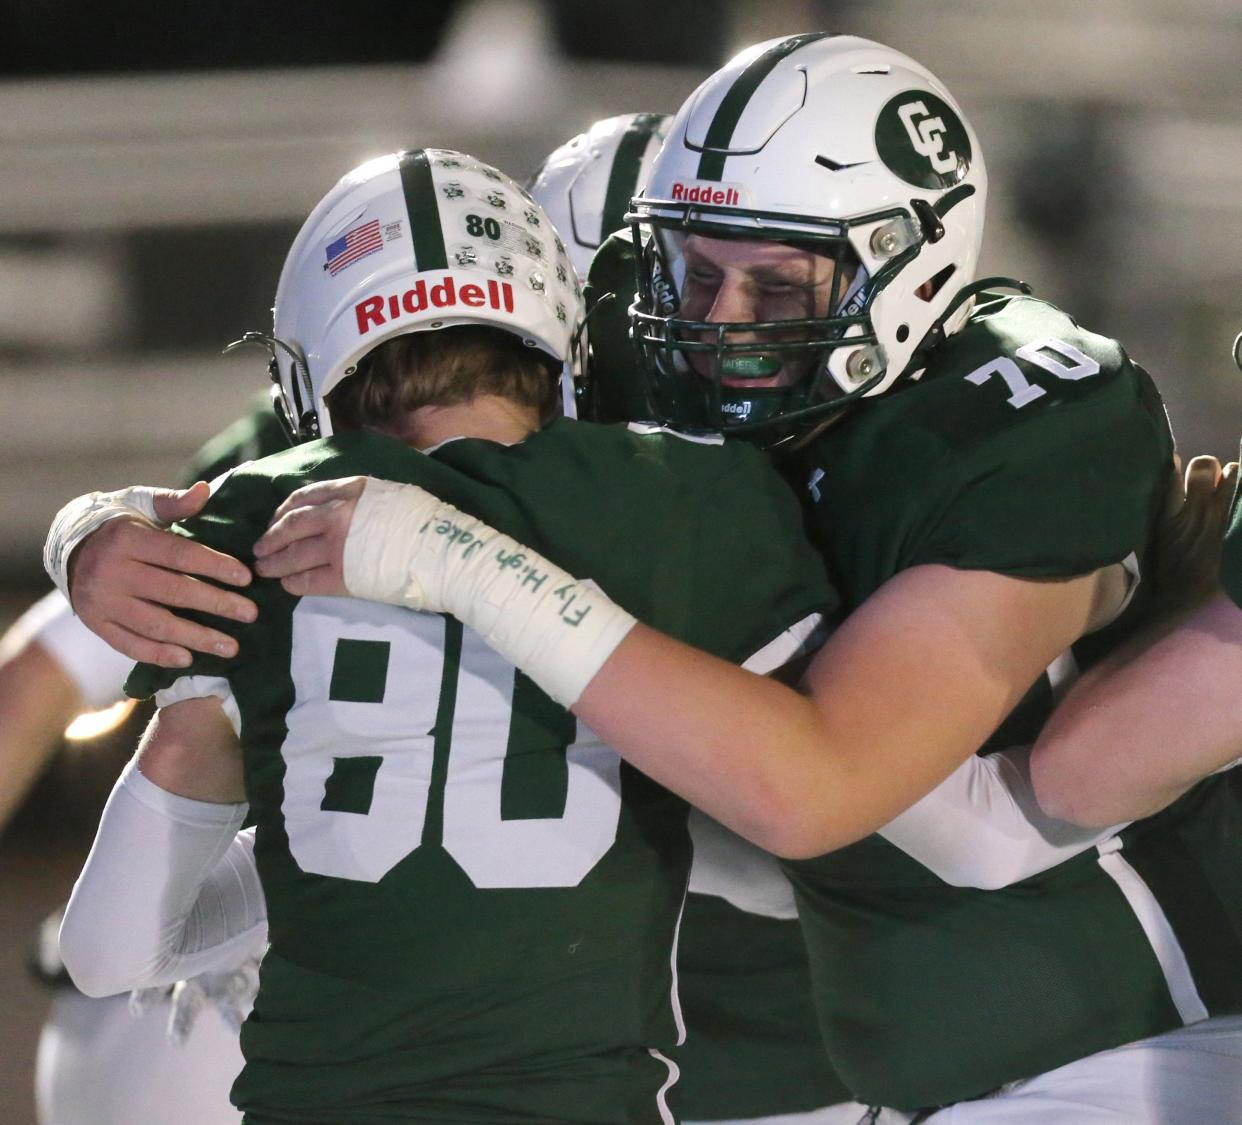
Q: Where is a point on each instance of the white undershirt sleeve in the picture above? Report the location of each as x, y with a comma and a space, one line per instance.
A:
168, 891
982, 827
97, 670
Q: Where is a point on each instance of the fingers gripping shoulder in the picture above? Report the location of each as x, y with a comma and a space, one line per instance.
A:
86, 514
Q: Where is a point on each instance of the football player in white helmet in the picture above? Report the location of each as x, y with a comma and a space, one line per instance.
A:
441, 321
587, 184
52, 667
988, 494
752, 1050
810, 231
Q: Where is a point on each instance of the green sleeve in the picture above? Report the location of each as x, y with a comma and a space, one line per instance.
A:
948, 471
614, 391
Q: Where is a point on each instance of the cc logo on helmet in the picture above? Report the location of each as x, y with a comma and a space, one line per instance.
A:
922, 140
927, 135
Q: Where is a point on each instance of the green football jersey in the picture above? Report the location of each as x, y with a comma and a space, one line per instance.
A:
472, 902
1031, 448
1231, 556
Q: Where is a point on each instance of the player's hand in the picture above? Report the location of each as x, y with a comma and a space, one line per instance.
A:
231, 993
1190, 531
124, 576
304, 545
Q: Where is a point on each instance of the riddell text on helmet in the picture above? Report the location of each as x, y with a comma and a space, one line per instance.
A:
706, 193
381, 308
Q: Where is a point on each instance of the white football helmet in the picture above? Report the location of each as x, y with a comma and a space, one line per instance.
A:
586, 185
831, 143
412, 242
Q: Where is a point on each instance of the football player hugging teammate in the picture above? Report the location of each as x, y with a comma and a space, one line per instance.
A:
752, 1047
807, 244
984, 479
471, 901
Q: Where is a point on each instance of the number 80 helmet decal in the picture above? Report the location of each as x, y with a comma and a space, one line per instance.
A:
412, 242
834, 145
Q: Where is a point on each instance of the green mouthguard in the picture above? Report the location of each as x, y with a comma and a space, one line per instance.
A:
749, 366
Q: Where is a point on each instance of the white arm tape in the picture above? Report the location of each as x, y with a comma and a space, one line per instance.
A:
407, 547
167, 892
77, 519
97, 670
982, 827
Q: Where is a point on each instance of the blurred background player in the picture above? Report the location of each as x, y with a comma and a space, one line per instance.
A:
52, 669
100, 1061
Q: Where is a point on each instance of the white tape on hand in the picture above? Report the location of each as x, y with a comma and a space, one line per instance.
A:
407, 547
231, 992
86, 514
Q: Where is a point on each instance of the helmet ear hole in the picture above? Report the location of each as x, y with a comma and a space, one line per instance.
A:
928, 290
903, 333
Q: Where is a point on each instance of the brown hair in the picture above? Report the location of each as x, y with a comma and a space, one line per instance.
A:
443, 367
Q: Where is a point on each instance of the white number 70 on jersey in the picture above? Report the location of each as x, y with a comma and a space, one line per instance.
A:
1021, 389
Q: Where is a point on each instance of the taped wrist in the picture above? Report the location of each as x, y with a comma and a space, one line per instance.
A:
407, 547
86, 514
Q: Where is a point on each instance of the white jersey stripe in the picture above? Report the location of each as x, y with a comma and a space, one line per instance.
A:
1164, 943
675, 995
674, 1073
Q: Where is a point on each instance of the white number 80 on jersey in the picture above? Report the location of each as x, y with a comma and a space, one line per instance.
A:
403, 700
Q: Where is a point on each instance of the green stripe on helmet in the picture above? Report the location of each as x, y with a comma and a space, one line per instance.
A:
623, 177
424, 211
731, 108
